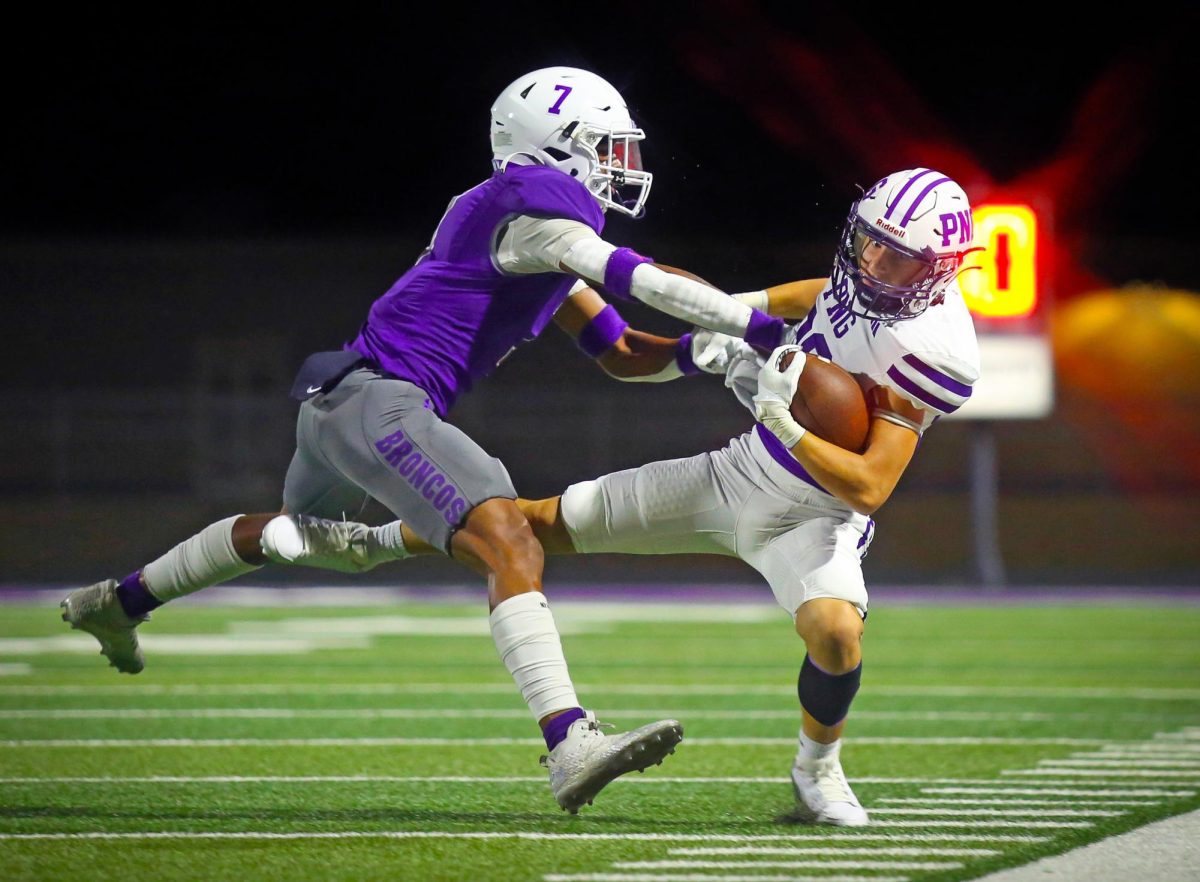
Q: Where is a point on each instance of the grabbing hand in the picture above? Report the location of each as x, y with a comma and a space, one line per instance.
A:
712, 351
777, 382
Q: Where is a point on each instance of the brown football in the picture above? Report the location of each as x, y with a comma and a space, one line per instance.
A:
830, 404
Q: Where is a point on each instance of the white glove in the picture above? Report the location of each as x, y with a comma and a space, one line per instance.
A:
742, 375
776, 389
712, 351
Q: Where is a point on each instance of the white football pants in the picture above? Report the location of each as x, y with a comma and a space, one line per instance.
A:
737, 502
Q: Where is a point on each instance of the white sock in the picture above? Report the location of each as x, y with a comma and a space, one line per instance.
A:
815, 750
206, 559
388, 543
527, 639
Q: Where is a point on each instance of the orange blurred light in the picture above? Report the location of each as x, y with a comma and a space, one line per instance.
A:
1006, 285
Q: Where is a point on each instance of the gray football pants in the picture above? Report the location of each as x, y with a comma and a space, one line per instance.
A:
376, 437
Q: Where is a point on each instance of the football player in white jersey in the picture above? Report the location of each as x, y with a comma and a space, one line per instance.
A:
793, 506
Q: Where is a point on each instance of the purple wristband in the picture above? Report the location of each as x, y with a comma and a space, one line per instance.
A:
618, 272
599, 335
764, 332
683, 355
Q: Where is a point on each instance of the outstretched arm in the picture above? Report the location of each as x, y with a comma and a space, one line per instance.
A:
533, 245
622, 351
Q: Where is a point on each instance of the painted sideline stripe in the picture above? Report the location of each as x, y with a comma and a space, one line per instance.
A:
1149, 694
989, 824
538, 836
709, 877
1162, 850
495, 742
815, 850
788, 865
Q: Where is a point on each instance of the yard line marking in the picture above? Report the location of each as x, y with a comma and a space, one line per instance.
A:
783, 865
1131, 752
495, 742
367, 779
1121, 764
531, 836
709, 877
284, 713
772, 689
1050, 790
289, 779
16, 669
540, 779
1078, 803
815, 850
999, 813
1173, 776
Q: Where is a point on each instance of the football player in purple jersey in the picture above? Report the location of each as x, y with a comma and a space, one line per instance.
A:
505, 260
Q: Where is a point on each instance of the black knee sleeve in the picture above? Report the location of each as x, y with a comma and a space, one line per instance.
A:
827, 697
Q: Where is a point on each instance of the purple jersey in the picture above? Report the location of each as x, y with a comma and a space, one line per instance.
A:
450, 319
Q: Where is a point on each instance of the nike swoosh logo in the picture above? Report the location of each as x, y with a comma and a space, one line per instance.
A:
312, 389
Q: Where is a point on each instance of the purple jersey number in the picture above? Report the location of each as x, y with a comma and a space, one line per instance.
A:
566, 90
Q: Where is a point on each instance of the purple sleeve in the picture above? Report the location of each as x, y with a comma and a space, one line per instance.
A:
618, 273
599, 335
683, 355
764, 332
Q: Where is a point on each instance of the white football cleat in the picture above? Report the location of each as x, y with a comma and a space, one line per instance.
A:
584, 762
97, 610
823, 795
343, 546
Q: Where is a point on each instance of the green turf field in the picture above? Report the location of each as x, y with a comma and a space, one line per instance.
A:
387, 743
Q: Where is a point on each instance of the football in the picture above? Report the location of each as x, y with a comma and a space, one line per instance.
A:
830, 404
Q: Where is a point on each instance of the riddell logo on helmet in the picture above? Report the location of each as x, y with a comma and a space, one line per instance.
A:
895, 231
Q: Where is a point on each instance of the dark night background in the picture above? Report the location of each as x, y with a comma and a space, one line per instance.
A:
215, 175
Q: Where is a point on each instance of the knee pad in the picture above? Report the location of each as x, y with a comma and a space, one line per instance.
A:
582, 509
825, 696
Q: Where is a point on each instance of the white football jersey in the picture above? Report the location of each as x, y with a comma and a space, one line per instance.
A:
931, 360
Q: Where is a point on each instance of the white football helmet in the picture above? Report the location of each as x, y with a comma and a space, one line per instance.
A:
576, 122
903, 243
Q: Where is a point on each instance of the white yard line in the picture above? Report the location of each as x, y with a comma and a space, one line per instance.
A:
998, 813
1050, 790
1064, 772
358, 713
537, 836
1076, 803
1122, 764
522, 779
494, 742
773, 689
16, 669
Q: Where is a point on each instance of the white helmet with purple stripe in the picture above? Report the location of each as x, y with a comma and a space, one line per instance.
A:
576, 122
903, 243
